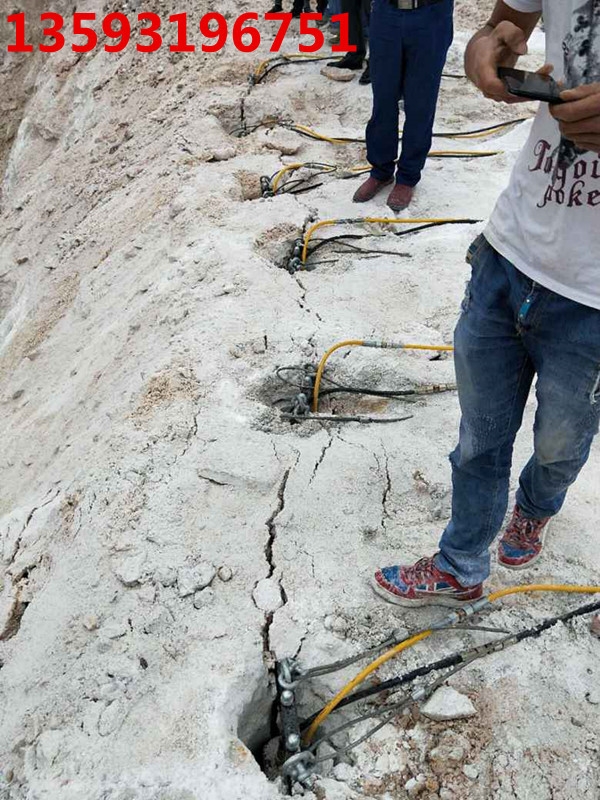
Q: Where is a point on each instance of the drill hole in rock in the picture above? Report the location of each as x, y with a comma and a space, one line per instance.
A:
257, 727
278, 244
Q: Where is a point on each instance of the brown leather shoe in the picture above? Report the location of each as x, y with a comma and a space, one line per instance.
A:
369, 189
400, 197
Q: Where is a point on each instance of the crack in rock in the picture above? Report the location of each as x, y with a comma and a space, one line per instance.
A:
311, 559
302, 302
12, 620
191, 434
387, 486
319, 461
13, 623
213, 480
270, 559
243, 110
17, 545
302, 640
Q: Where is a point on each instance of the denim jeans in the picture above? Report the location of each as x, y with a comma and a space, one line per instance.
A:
407, 53
334, 7
510, 330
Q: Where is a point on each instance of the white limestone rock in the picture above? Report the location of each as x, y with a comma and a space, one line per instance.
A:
447, 704
267, 595
192, 579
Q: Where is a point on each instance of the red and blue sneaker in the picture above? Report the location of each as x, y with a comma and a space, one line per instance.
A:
523, 540
423, 584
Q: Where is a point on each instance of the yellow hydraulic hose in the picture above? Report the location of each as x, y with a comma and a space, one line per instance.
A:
474, 153
333, 704
543, 587
307, 236
321, 136
357, 220
366, 343
283, 171
287, 57
291, 167
351, 140
479, 135
360, 168
347, 343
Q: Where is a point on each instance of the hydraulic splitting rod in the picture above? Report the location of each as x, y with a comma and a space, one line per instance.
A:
299, 747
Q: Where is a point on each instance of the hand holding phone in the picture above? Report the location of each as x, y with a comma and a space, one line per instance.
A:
531, 85
579, 116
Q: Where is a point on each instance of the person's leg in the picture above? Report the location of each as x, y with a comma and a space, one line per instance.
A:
352, 60
494, 374
355, 32
334, 8
428, 36
365, 7
385, 63
565, 348
365, 78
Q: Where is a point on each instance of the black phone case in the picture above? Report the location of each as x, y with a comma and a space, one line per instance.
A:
512, 79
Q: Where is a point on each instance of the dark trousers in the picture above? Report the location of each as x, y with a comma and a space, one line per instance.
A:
356, 34
304, 5
407, 55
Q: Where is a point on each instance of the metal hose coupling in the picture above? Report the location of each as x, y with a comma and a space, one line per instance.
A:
265, 186
461, 614
295, 263
299, 767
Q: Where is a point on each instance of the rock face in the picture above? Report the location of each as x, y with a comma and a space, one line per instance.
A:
447, 704
144, 320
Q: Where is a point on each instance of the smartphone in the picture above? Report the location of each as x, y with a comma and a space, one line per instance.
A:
531, 85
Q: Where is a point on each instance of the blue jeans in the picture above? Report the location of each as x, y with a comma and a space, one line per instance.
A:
334, 7
510, 330
407, 53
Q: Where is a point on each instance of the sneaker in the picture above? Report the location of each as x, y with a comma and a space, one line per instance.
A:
400, 197
523, 540
423, 584
367, 190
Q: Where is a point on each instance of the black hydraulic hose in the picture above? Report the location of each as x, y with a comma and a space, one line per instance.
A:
417, 229
321, 242
497, 126
420, 228
287, 62
458, 658
368, 392
305, 189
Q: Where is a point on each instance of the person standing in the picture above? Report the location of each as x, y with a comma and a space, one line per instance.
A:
532, 309
299, 7
358, 15
409, 41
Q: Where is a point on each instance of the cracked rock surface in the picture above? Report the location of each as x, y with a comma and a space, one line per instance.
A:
164, 536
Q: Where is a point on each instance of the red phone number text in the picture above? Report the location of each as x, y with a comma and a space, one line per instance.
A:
117, 29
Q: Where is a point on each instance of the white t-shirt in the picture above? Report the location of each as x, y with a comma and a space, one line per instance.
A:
547, 222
